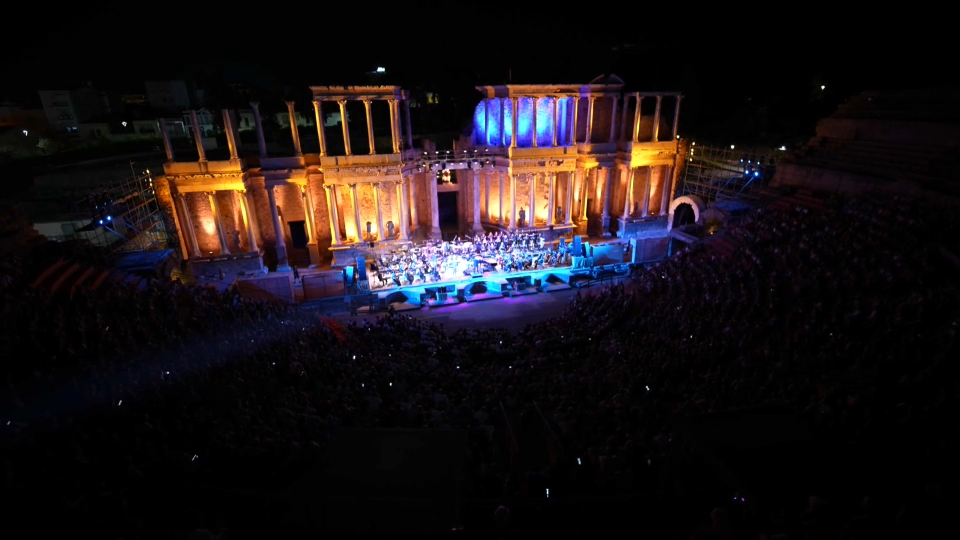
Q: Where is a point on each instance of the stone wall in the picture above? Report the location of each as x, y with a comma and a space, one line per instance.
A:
203, 223
276, 286
261, 205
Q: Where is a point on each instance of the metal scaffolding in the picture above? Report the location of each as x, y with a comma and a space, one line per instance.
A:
126, 216
724, 173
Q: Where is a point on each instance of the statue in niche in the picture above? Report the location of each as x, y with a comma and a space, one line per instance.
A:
522, 218
391, 229
636, 208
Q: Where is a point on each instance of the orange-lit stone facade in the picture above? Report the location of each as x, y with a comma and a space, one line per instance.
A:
613, 164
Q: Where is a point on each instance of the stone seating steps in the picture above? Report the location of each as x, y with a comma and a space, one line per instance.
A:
721, 245
878, 172
46, 276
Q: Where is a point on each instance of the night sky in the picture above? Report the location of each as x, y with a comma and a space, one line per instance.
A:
721, 60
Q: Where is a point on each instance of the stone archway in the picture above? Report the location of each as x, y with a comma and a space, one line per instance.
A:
696, 203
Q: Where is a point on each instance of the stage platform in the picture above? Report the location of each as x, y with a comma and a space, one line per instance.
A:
490, 286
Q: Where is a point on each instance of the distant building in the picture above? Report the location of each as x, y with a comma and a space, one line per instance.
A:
67, 109
205, 119
174, 95
13, 115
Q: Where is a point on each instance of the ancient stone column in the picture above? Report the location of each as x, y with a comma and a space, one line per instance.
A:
667, 188
628, 195
486, 194
402, 210
307, 200
434, 208
532, 213
356, 212
535, 100
646, 193
585, 177
346, 128
589, 138
636, 118
167, 147
294, 130
190, 231
486, 121
623, 118
197, 136
513, 202
241, 195
676, 117
500, 194
318, 114
406, 107
503, 120
607, 188
277, 228
412, 194
381, 231
230, 133
477, 227
556, 119
261, 142
514, 121
573, 120
656, 121
221, 234
568, 209
613, 120
366, 107
394, 125
551, 198
333, 213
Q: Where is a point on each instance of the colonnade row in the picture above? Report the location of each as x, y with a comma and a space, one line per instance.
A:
231, 127
246, 203
571, 139
576, 185
405, 213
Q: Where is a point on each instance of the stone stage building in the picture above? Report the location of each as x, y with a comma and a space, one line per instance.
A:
552, 158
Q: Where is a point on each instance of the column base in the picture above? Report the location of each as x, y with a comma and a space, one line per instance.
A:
314, 250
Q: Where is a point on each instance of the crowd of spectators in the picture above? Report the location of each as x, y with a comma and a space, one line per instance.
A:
848, 316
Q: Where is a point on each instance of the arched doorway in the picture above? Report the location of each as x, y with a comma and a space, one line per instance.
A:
684, 215
682, 207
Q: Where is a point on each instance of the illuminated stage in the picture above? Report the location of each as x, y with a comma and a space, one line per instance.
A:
493, 286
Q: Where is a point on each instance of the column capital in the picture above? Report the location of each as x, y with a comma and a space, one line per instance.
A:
291, 104
241, 191
255, 105
342, 102
393, 101
352, 186
328, 187
367, 102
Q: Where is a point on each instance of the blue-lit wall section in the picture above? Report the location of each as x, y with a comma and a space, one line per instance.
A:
566, 113
488, 131
494, 129
525, 122
479, 123
545, 122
